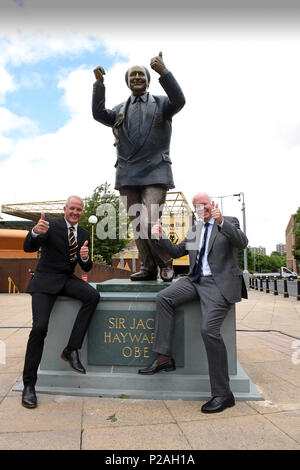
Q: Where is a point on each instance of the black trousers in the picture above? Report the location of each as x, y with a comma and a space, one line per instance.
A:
42, 304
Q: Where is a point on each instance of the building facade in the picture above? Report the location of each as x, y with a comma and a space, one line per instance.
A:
281, 248
258, 250
290, 242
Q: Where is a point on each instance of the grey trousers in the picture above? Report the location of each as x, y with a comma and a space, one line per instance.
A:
214, 308
145, 203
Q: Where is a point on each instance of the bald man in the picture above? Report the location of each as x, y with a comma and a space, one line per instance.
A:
216, 280
142, 126
63, 244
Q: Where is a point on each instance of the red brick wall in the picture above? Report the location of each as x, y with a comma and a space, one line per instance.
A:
18, 270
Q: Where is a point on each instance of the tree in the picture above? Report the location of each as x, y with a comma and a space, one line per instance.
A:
296, 230
277, 260
250, 259
111, 230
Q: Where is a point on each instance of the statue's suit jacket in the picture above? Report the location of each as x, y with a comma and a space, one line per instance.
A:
222, 255
147, 161
54, 268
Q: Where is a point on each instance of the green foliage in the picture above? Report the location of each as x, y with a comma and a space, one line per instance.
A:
249, 259
105, 204
296, 230
262, 263
112, 418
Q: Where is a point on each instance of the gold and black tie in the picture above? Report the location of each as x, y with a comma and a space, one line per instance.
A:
73, 245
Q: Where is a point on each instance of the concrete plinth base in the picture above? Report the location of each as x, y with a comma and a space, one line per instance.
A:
119, 343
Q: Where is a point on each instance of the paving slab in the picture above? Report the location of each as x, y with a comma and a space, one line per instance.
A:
53, 413
288, 422
7, 381
254, 432
147, 437
63, 422
273, 387
41, 440
191, 410
126, 412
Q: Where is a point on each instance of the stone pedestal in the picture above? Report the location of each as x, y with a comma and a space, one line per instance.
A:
119, 342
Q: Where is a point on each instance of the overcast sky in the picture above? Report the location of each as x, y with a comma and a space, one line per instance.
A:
239, 70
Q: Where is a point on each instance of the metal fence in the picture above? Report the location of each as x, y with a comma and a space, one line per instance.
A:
276, 286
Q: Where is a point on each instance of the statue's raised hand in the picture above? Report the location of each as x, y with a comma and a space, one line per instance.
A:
158, 65
99, 72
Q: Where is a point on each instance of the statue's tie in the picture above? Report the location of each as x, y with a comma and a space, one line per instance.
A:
198, 266
135, 120
73, 245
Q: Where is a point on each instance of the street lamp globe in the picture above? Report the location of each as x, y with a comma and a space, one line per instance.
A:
93, 219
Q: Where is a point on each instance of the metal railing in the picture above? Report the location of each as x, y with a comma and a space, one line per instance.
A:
269, 284
12, 288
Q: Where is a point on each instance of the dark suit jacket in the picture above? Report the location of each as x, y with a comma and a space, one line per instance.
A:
222, 255
54, 267
147, 161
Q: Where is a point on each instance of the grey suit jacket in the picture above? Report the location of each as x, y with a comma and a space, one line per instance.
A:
146, 161
222, 255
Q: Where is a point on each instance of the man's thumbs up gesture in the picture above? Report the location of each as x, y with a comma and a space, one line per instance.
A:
42, 226
157, 230
158, 65
84, 251
216, 213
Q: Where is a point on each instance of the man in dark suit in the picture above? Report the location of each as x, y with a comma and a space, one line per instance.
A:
142, 126
216, 280
63, 243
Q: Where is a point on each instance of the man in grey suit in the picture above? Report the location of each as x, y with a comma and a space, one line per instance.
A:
142, 126
216, 280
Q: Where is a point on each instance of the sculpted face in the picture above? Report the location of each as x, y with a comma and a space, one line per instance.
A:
137, 80
73, 210
203, 206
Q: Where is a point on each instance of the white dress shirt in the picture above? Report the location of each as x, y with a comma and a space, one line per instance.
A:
74, 231
205, 266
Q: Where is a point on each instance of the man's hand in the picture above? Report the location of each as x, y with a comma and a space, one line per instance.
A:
84, 251
99, 72
42, 226
158, 65
157, 230
216, 213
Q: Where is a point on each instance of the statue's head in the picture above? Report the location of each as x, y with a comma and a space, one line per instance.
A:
137, 79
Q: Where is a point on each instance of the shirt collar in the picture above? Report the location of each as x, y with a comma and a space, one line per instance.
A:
69, 225
143, 97
211, 221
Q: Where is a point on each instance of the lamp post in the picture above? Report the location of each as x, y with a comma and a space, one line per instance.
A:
246, 272
93, 220
244, 226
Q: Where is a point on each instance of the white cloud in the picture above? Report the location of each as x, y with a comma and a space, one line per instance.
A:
11, 122
7, 84
237, 132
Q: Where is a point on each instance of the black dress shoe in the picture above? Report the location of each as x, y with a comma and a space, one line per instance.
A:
144, 275
217, 404
156, 367
167, 273
29, 397
72, 357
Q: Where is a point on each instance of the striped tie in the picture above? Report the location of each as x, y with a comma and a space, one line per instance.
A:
73, 245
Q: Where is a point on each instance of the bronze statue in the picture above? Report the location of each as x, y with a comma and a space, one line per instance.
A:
142, 126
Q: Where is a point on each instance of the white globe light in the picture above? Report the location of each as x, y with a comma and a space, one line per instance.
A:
93, 219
